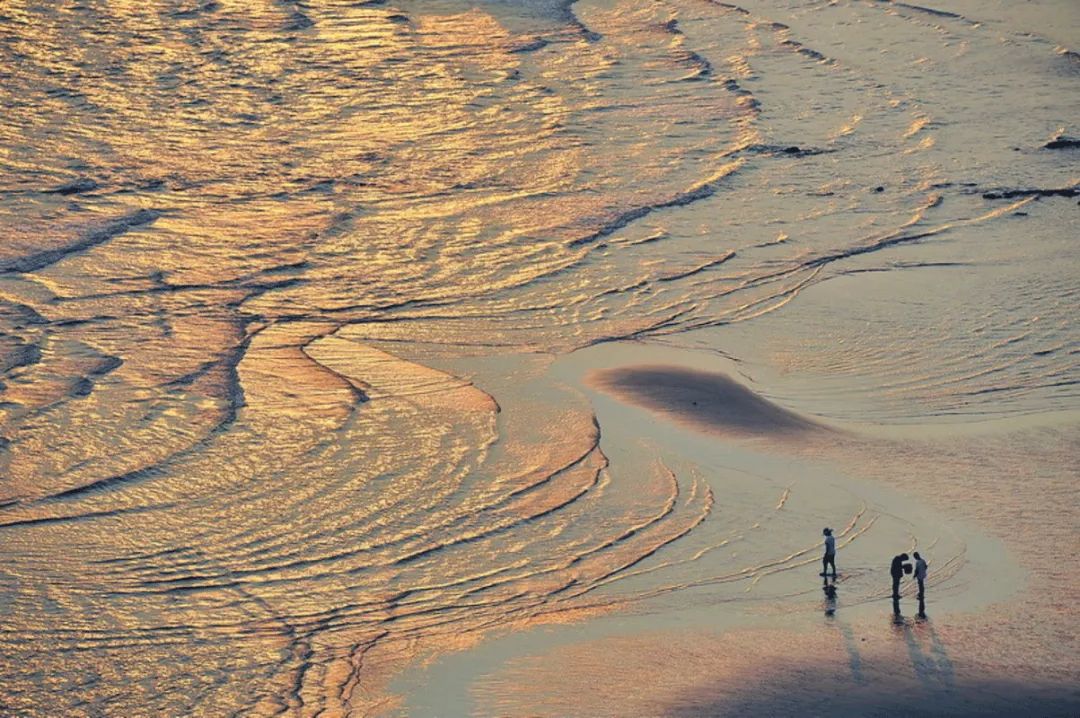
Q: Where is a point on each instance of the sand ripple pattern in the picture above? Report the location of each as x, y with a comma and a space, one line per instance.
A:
258, 258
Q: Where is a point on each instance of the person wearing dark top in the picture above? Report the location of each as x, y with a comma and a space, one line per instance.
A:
897, 571
829, 559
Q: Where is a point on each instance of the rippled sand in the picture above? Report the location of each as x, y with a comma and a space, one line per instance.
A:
349, 355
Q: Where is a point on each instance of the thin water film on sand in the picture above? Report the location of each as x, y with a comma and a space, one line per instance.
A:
285, 288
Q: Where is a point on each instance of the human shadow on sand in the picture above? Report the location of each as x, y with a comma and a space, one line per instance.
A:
818, 692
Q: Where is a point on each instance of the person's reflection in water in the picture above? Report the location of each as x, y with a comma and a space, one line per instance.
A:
830, 597
846, 634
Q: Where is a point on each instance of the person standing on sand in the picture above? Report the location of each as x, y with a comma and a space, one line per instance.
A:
897, 572
920, 576
920, 573
830, 553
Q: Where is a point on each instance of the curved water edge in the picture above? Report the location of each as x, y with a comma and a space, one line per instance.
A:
287, 294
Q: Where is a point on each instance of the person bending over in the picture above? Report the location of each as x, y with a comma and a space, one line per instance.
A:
897, 572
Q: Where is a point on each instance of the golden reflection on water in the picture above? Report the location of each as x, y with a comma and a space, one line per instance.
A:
256, 498
250, 250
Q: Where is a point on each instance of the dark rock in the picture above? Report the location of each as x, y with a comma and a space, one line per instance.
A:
789, 150
83, 387
879, 188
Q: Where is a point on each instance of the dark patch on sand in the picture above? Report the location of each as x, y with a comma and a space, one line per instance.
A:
1062, 143
705, 400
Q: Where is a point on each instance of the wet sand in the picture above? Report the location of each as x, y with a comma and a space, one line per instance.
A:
837, 668
497, 357
997, 639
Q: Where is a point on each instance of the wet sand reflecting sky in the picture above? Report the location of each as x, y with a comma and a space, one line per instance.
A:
343, 342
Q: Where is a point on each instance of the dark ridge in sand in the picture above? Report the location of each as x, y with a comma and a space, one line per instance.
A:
231, 390
705, 400
115, 228
702, 191
924, 9
1032, 192
78, 186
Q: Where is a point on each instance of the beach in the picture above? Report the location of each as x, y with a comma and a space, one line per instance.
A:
509, 358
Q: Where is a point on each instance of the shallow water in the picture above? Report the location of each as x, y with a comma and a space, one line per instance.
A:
282, 285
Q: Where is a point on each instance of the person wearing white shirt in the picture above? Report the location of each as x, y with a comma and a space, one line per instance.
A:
920, 576
829, 559
920, 573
